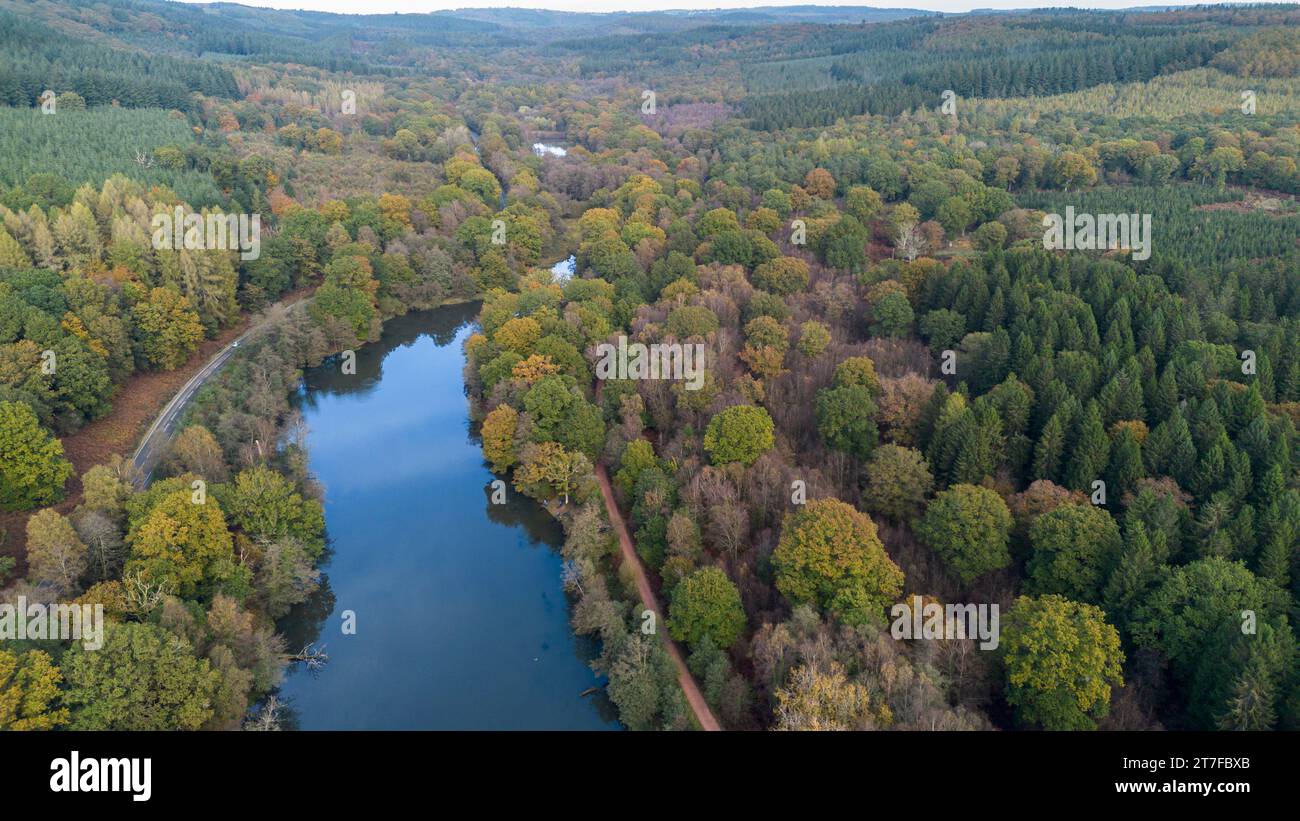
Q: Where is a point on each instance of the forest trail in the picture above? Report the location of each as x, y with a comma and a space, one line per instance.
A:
690, 689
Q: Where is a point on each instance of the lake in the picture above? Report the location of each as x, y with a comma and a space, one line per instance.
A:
461, 618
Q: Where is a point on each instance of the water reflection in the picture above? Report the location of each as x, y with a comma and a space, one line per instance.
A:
461, 618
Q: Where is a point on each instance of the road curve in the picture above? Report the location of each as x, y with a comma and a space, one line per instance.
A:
156, 438
154, 442
690, 689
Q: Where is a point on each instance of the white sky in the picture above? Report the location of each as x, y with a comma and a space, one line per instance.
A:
415, 6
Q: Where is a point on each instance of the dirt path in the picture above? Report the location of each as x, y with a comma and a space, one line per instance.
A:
690, 689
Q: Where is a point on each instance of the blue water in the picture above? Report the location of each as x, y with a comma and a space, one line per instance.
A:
564, 269
461, 619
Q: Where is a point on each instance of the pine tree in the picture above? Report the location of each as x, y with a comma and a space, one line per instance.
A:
1133, 577
12, 254
1125, 466
1048, 452
1250, 707
1091, 451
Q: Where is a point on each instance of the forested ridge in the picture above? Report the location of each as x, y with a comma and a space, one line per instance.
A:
903, 391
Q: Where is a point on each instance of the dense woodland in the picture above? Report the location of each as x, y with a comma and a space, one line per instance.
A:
798, 203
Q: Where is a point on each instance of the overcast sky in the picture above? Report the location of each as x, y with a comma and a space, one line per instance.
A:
381, 6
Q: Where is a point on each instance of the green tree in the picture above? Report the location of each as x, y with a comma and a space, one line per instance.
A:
1134, 576
1239, 683
549, 402
969, 527
943, 328
285, 577
1062, 660
691, 320
32, 467
955, 216
643, 684
783, 275
897, 482
845, 419
706, 603
990, 235
859, 371
143, 678
1075, 547
892, 316
637, 456
1091, 451
740, 433
265, 505
1192, 603
814, 337
844, 245
862, 202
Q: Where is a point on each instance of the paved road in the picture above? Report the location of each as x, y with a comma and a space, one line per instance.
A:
154, 443
155, 440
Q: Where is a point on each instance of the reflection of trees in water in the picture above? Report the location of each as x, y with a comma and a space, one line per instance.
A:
303, 624
520, 511
441, 324
300, 627
542, 528
587, 649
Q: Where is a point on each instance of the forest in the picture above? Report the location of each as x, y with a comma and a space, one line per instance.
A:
905, 393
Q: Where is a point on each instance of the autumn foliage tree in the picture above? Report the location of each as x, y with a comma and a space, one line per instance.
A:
32, 467
829, 556
29, 692
182, 545
1062, 662
498, 432
168, 329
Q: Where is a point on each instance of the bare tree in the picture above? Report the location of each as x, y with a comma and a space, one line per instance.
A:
267, 719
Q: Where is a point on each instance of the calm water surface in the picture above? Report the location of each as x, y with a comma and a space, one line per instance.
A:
462, 622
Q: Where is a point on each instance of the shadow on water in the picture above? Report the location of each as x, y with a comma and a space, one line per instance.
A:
461, 617
399, 332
